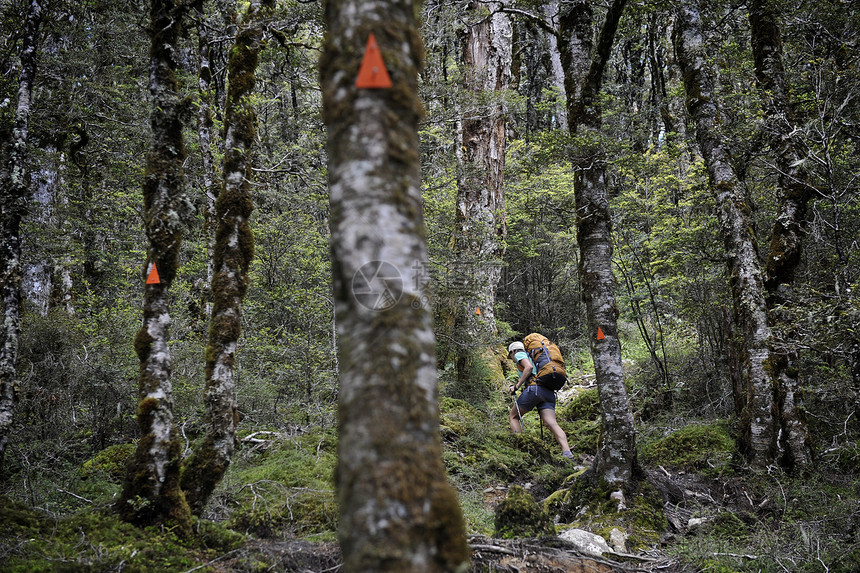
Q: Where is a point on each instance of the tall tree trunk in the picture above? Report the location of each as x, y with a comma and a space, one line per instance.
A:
746, 277
550, 11
787, 237
14, 196
584, 65
151, 494
211, 184
397, 510
656, 65
234, 249
481, 133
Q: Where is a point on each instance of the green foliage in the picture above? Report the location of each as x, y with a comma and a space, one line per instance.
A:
790, 531
78, 373
543, 293
476, 382
519, 515
693, 447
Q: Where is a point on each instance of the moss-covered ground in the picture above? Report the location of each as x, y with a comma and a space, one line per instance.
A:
694, 504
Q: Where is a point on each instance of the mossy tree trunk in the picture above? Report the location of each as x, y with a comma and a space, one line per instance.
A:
787, 237
151, 493
14, 197
487, 56
211, 184
234, 249
397, 510
584, 63
745, 270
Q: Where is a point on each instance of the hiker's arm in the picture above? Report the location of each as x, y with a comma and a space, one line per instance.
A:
524, 375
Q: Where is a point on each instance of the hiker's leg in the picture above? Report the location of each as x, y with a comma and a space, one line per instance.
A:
548, 417
514, 419
523, 404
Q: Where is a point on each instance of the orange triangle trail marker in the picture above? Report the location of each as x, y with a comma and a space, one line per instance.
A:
372, 73
600, 335
153, 278
478, 310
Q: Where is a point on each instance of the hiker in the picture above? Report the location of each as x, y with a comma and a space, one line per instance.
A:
534, 395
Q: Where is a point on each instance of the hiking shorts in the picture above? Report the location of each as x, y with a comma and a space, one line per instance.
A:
536, 396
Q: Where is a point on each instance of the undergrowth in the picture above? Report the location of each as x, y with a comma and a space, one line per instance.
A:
280, 486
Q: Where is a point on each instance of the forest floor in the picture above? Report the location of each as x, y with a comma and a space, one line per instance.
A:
694, 508
711, 526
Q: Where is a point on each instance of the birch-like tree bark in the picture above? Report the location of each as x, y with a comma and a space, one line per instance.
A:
584, 63
744, 267
787, 237
550, 12
151, 493
205, 123
14, 197
482, 142
234, 249
397, 510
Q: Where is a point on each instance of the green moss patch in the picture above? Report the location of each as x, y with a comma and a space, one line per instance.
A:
694, 447
519, 515
457, 417
582, 435
584, 406
109, 464
31, 541
588, 504
285, 490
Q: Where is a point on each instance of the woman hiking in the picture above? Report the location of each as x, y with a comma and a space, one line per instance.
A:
534, 395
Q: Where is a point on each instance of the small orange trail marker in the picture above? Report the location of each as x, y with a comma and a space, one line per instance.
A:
478, 310
372, 73
600, 335
153, 278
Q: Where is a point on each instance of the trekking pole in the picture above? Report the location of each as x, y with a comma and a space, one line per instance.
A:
519, 415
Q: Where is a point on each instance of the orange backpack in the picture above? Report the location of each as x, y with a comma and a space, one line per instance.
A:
547, 359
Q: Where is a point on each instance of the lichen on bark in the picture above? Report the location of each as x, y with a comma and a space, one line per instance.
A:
398, 511
232, 255
786, 243
745, 272
583, 63
151, 493
14, 197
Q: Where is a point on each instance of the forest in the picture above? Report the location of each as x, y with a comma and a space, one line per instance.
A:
262, 263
